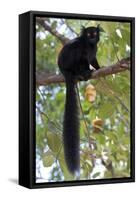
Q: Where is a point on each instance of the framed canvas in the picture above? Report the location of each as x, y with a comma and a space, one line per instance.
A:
76, 99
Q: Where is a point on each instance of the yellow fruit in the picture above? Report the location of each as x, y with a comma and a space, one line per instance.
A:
97, 125
90, 93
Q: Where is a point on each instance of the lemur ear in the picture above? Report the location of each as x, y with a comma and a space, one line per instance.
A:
100, 28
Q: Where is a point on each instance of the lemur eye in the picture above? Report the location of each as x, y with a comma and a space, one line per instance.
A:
94, 33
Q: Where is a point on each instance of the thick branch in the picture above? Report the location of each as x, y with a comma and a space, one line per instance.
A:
42, 78
71, 29
44, 24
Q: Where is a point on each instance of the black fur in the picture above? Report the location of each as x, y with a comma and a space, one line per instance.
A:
71, 126
74, 62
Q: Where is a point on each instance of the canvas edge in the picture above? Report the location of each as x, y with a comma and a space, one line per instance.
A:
31, 140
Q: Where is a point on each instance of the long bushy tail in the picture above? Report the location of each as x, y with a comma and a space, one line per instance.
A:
71, 136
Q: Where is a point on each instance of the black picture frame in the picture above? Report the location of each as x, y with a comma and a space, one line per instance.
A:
27, 80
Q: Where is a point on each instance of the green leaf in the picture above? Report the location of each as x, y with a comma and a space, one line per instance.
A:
96, 174
100, 138
47, 159
54, 142
106, 110
112, 136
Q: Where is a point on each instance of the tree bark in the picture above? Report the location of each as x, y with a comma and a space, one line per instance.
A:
44, 24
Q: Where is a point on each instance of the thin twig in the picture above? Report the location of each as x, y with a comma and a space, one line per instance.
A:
86, 132
113, 93
53, 123
109, 167
114, 49
44, 103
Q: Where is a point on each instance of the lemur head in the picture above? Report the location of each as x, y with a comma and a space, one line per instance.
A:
91, 34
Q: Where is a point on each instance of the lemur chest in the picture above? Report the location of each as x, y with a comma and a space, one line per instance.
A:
89, 54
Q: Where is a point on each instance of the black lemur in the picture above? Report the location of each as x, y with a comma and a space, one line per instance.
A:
77, 60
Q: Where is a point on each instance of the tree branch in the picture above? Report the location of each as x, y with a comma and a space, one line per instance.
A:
44, 24
71, 29
42, 78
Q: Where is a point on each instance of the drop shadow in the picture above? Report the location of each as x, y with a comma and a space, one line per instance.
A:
13, 180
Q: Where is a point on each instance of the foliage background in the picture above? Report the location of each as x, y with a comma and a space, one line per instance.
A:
110, 153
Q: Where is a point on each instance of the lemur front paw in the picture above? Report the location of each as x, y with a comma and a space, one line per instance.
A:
87, 75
